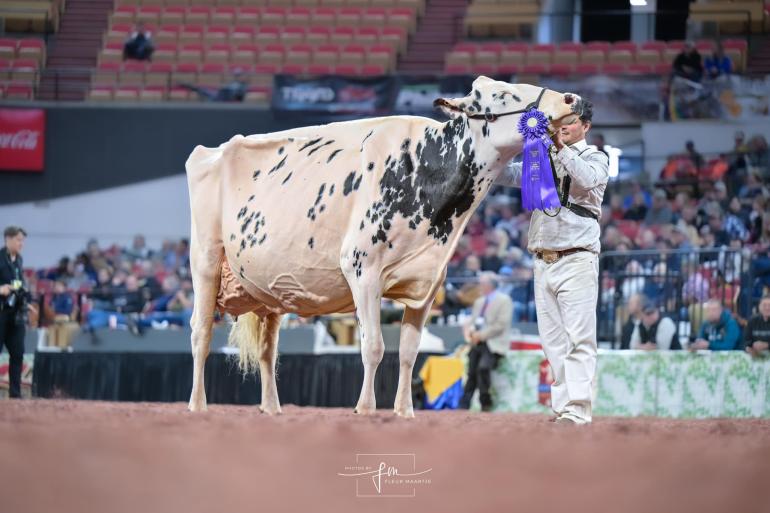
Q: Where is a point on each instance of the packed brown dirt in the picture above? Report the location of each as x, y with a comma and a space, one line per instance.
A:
80, 456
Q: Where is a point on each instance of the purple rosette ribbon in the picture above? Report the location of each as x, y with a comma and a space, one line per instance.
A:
538, 190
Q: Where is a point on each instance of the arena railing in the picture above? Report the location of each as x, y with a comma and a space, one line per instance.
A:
678, 281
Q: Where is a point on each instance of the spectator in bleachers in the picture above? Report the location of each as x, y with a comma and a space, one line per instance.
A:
694, 155
138, 249
719, 330
660, 212
633, 282
632, 197
759, 156
637, 211
688, 64
233, 91
718, 64
629, 333
758, 330
737, 221
139, 45
657, 332
61, 313
659, 288
752, 188
598, 140
716, 225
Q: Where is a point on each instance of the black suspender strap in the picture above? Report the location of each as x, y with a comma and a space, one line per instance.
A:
563, 187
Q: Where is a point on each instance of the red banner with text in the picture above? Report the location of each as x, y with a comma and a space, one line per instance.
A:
22, 139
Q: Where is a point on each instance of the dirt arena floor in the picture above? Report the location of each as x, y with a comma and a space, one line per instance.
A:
78, 456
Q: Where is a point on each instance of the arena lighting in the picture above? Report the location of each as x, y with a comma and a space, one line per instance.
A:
638, 3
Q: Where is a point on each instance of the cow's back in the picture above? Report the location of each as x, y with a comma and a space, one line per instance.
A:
290, 200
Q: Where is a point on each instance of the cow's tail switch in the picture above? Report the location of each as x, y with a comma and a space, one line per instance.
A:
248, 335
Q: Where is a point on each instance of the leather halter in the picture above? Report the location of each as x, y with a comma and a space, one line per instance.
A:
491, 118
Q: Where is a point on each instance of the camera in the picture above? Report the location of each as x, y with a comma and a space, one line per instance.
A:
18, 300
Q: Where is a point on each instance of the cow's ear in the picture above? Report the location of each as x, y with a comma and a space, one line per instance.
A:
452, 107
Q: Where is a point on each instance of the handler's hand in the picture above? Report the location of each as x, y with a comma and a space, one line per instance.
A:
648, 346
5, 290
556, 138
699, 344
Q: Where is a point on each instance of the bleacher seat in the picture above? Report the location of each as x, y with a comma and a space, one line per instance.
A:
613, 58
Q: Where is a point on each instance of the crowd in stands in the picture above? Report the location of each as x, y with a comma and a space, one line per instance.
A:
134, 288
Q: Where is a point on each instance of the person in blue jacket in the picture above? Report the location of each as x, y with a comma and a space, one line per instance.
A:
719, 331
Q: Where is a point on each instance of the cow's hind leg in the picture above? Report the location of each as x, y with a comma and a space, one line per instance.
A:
205, 267
267, 360
367, 297
411, 331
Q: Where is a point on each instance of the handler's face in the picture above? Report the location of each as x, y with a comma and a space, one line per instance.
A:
573, 129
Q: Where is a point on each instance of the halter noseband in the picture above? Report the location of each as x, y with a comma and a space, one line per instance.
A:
491, 118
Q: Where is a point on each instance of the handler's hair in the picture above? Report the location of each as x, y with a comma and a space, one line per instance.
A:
587, 112
13, 231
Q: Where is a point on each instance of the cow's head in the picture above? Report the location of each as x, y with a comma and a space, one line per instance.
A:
493, 109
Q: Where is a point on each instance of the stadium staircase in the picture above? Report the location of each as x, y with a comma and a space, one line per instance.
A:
74, 49
759, 58
437, 31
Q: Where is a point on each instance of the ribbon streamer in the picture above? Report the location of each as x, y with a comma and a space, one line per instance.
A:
538, 189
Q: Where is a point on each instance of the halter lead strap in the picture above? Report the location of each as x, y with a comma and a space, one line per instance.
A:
490, 117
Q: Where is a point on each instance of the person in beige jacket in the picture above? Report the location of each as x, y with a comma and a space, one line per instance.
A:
488, 332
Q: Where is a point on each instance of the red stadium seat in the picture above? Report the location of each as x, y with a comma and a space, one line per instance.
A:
508, 69
614, 69
456, 69
346, 70
535, 69
561, 69
586, 69
640, 69
373, 70
319, 69
484, 69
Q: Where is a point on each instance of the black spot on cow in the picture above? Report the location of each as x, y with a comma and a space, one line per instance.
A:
261, 240
477, 94
251, 198
331, 190
358, 257
365, 138
348, 185
362, 226
485, 129
438, 184
321, 208
405, 145
287, 178
242, 212
358, 182
370, 166
476, 106
256, 174
311, 143
327, 143
320, 193
310, 242
280, 150
232, 237
247, 222
240, 271
333, 154
462, 106
278, 166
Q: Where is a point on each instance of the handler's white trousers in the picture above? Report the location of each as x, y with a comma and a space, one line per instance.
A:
565, 295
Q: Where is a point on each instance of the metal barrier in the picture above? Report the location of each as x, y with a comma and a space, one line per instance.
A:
679, 282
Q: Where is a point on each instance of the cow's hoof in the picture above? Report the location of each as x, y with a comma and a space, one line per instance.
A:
197, 406
270, 410
360, 410
406, 413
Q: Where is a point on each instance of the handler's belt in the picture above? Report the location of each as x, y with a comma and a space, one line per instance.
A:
550, 257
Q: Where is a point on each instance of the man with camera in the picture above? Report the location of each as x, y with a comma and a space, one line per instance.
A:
13, 305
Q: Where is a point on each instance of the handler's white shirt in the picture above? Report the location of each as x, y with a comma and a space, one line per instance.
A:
589, 172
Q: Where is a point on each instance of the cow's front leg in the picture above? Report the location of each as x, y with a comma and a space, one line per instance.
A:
411, 331
367, 298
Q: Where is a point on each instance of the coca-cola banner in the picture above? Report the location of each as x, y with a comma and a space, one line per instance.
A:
22, 139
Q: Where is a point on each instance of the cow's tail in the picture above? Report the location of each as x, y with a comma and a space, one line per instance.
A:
248, 333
